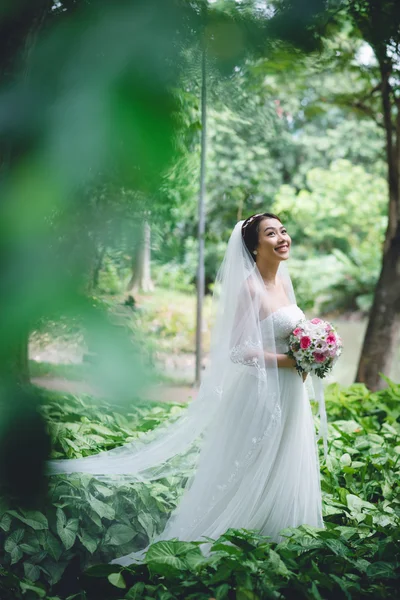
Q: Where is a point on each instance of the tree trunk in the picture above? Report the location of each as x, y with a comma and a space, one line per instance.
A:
383, 330
141, 267
97, 268
382, 335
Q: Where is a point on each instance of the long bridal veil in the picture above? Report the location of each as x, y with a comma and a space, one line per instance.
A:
242, 362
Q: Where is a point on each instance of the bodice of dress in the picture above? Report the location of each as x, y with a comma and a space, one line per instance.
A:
285, 320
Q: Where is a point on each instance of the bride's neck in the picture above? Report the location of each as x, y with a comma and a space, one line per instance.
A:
268, 273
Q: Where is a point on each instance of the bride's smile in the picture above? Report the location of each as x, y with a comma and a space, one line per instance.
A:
273, 239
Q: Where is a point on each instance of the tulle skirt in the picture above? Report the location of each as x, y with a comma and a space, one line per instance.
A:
249, 476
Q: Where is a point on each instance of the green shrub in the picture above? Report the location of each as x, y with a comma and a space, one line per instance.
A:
173, 276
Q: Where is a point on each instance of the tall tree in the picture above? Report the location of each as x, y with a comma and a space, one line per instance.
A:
361, 40
141, 271
378, 23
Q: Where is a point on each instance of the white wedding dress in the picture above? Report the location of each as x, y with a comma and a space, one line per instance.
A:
245, 449
280, 486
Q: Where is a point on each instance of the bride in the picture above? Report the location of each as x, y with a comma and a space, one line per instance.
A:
248, 438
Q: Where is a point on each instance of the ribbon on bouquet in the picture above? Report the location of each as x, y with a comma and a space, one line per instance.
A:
323, 422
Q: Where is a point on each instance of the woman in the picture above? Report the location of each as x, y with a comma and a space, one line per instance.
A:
255, 458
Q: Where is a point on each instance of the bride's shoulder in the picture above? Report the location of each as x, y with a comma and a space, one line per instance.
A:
280, 280
285, 287
250, 286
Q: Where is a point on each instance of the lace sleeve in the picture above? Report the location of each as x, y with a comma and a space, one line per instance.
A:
245, 341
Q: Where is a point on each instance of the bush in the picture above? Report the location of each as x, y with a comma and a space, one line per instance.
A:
173, 276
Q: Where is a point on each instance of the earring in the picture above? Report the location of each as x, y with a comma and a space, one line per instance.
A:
255, 252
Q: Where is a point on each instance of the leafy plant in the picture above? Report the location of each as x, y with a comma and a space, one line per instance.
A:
87, 521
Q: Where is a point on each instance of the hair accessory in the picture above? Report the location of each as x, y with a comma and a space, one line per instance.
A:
249, 220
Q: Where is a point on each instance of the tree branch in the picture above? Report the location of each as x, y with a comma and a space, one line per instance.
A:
367, 110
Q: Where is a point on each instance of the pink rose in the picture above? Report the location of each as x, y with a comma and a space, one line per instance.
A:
331, 339
305, 342
319, 357
315, 321
297, 331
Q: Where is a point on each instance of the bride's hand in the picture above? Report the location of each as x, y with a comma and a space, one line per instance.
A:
283, 360
304, 376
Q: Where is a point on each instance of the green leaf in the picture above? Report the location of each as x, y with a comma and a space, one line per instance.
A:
94, 517
381, 570
277, 564
356, 504
29, 549
103, 490
32, 572
361, 564
245, 594
119, 534
55, 569
29, 587
12, 545
101, 508
314, 591
345, 460
227, 549
66, 529
195, 559
347, 532
222, 591
31, 543
166, 557
102, 570
343, 584
147, 523
5, 522
136, 591
34, 519
87, 541
117, 580
52, 546
337, 547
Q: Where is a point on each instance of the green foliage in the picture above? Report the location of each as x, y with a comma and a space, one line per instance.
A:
242, 172
340, 244
167, 319
113, 274
80, 426
327, 213
272, 125
85, 517
174, 276
357, 555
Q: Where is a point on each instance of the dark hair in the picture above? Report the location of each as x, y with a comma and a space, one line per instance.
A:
251, 228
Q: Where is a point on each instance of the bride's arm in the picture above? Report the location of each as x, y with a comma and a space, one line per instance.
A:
242, 346
283, 360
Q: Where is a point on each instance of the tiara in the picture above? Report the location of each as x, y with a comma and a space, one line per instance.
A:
249, 220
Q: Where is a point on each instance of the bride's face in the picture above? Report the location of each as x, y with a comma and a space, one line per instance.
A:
273, 241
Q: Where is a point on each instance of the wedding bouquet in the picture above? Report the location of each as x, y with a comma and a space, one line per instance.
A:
315, 345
